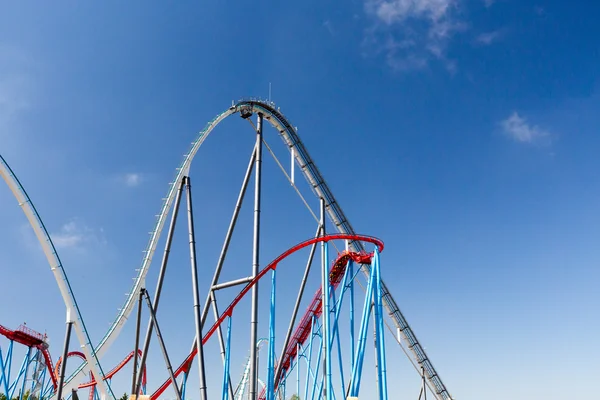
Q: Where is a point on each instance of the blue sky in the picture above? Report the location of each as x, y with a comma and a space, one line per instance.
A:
461, 132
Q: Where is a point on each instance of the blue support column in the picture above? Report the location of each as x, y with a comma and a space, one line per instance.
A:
381, 361
183, 384
326, 321
298, 370
310, 345
225, 387
377, 317
352, 351
362, 338
271, 356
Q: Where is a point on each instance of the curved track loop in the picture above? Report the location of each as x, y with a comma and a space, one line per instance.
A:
185, 365
73, 312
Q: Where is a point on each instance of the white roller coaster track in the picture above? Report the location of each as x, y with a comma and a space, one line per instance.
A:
73, 313
320, 189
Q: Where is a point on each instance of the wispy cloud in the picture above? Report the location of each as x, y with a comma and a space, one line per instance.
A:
131, 179
76, 235
520, 130
329, 26
487, 38
488, 3
413, 32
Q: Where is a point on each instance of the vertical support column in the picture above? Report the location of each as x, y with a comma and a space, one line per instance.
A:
197, 311
352, 350
424, 388
138, 323
161, 276
63, 366
255, 261
325, 309
297, 369
226, 388
376, 349
381, 361
271, 357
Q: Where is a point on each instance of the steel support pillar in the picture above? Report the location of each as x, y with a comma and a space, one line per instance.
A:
63, 366
326, 310
255, 260
138, 323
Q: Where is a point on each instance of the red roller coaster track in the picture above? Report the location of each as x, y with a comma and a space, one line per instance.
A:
335, 274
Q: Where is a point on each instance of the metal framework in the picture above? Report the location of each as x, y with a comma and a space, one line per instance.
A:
317, 325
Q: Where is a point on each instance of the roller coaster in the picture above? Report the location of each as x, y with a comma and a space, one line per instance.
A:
321, 354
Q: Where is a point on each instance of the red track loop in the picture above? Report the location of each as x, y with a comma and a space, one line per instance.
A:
186, 364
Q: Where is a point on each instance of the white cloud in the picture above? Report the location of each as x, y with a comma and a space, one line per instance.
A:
517, 128
329, 26
131, 179
76, 235
489, 3
413, 32
488, 38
